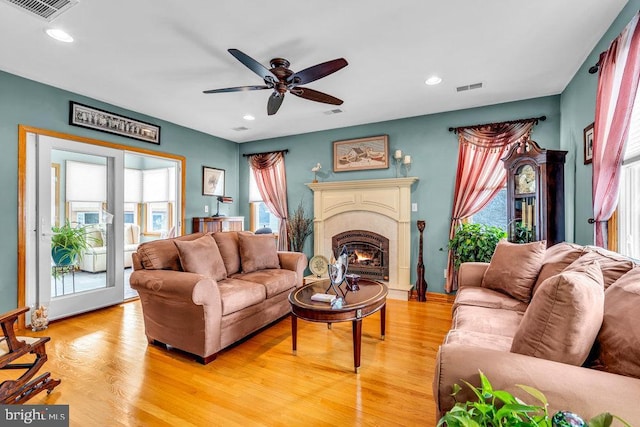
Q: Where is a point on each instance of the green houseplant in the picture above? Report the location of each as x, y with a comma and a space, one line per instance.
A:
475, 243
299, 227
68, 243
498, 408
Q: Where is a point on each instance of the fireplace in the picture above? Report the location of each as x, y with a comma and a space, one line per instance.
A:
377, 206
368, 253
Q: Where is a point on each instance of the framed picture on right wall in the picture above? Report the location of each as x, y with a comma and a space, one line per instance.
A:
588, 144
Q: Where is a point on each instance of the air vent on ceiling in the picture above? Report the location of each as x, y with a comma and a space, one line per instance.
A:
469, 87
45, 9
240, 128
334, 111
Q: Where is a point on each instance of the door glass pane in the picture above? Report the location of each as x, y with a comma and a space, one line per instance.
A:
79, 242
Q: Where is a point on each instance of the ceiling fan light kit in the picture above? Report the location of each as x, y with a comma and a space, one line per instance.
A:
282, 80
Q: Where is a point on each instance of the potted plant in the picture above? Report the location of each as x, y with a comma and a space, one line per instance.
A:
68, 243
299, 227
495, 408
475, 243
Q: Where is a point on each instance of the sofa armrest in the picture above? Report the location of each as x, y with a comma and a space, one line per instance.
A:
178, 285
471, 273
294, 261
584, 391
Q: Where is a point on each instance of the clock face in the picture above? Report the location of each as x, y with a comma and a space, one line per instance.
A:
526, 180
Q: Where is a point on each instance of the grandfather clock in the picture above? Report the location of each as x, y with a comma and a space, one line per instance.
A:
535, 193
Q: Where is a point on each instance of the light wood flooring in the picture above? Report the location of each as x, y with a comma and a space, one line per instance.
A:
111, 376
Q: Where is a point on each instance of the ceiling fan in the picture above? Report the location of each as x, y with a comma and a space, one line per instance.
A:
281, 79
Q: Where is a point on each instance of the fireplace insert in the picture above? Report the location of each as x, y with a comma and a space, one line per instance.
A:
368, 253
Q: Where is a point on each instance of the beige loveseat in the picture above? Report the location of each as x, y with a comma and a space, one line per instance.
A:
203, 292
94, 258
565, 320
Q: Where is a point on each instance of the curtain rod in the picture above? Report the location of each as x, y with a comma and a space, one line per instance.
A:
266, 152
532, 119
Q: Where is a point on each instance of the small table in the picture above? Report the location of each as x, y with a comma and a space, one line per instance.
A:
371, 297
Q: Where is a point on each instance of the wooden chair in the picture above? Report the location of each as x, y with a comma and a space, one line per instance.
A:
12, 348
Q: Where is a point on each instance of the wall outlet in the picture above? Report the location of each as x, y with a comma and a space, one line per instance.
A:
445, 273
414, 207
206, 208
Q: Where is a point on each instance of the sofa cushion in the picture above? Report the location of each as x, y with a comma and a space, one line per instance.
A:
494, 321
275, 280
514, 268
484, 297
257, 252
237, 294
478, 339
557, 258
227, 242
163, 254
613, 265
201, 256
564, 317
617, 349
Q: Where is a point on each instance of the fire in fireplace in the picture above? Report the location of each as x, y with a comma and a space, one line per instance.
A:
368, 253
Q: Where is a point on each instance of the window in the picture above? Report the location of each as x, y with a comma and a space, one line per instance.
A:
158, 217
495, 213
629, 203
85, 212
260, 215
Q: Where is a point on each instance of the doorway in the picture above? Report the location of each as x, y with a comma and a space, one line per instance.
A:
76, 183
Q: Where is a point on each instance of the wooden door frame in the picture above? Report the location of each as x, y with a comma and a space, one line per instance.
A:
23, 130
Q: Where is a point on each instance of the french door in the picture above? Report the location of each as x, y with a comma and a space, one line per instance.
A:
85, 190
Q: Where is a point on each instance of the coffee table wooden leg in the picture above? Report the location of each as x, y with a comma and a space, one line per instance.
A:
357, 341
383, 315
294, 332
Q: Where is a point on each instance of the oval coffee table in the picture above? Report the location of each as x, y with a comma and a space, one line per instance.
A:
371, 297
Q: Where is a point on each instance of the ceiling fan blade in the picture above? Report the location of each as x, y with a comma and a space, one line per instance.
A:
274, 103
253, 65
317, 72
314, 95
236, 89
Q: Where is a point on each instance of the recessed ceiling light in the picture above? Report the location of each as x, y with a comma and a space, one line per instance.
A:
59, 35
433, 80
248, 117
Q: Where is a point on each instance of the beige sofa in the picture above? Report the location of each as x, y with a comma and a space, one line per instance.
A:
203, 292
94, 259
564, 320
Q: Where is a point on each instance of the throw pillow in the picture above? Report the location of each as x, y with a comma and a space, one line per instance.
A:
617, 347
564, 317
514, 268
201, 256
228, 244
556, 259
257, 252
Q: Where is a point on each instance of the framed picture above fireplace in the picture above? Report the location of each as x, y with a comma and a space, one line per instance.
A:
361, 154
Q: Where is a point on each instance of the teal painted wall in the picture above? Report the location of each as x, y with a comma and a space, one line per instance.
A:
577, 108
26, 102
433, 150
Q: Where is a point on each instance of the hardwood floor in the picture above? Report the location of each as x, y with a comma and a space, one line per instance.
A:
111, 376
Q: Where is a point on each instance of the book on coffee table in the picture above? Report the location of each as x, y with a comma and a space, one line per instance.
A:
323, 297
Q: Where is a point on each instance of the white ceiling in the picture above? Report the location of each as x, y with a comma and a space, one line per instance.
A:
157, 56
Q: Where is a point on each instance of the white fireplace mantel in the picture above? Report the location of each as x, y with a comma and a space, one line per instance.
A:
379, 205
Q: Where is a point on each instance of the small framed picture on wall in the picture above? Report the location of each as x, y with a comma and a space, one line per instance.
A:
212, 181
588, 144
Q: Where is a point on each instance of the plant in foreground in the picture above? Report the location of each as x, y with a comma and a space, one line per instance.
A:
498, 408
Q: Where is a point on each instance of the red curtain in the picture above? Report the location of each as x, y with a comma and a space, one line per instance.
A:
480, 174
271, 179
617, 87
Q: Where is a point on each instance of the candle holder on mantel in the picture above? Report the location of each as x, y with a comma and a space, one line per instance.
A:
421, 283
